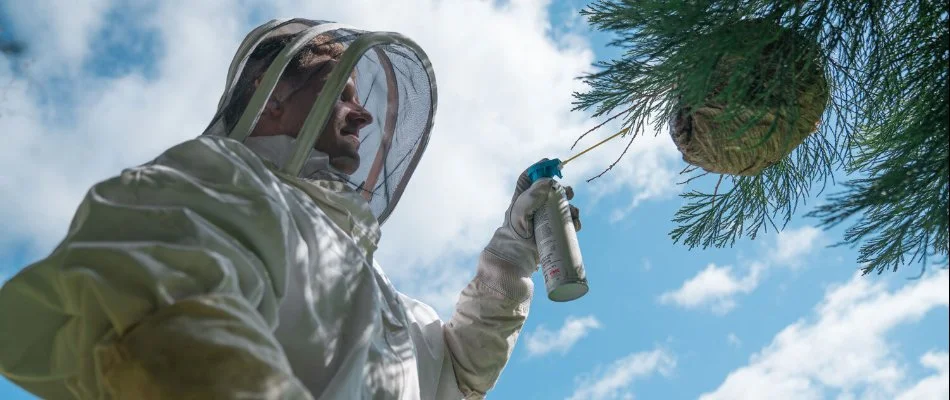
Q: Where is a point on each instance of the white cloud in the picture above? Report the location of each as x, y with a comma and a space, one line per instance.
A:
615, 381
845, 350
62, 29
543, 341
733, 340
792, 245
56, 149
437, 285
653, 176
505, 88
936, 386
714, 288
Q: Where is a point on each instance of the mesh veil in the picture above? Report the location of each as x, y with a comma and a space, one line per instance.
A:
394, 82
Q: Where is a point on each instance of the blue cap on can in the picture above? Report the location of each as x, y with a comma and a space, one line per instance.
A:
545, 169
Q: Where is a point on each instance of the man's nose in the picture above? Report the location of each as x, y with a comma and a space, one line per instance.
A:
358, 117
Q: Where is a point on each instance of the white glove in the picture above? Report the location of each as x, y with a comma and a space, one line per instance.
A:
492, 309
514, 241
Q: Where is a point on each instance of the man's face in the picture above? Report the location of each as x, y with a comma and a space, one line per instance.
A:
340, 138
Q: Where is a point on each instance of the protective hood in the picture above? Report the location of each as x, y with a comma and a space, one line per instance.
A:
394, 82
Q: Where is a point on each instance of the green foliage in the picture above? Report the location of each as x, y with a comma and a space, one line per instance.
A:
886, 124
904, 150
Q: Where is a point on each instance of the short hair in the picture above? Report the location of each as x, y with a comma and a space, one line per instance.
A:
262, 57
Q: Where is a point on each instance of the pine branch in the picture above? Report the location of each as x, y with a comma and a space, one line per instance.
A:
902, 204
752, 204
886, 62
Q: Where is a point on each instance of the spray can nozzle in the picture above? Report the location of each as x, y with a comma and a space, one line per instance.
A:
552, 168
545, 169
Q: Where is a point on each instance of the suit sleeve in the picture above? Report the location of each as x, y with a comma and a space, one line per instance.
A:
167, 285
489, 316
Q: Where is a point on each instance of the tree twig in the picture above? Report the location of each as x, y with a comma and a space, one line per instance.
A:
689, 168
632, 137
686, 182
600, 125
715, 192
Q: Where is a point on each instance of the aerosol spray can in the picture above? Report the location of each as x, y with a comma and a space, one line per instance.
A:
561, 261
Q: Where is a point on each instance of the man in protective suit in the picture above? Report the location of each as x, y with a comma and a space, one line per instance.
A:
239, 265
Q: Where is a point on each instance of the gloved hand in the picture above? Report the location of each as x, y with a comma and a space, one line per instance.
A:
492, 309
514, 241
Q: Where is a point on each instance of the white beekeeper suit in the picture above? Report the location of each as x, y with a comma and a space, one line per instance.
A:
236, 267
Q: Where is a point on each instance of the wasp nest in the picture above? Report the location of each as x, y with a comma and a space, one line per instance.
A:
744, 139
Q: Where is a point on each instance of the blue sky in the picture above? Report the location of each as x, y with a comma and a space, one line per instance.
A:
783, 316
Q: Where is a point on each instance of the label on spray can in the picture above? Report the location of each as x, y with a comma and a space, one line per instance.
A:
561, 262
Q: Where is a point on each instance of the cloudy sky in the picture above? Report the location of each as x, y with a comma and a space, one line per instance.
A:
108, 84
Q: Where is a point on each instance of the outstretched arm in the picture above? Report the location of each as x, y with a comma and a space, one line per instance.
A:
488, 319
493, 307
166, 286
